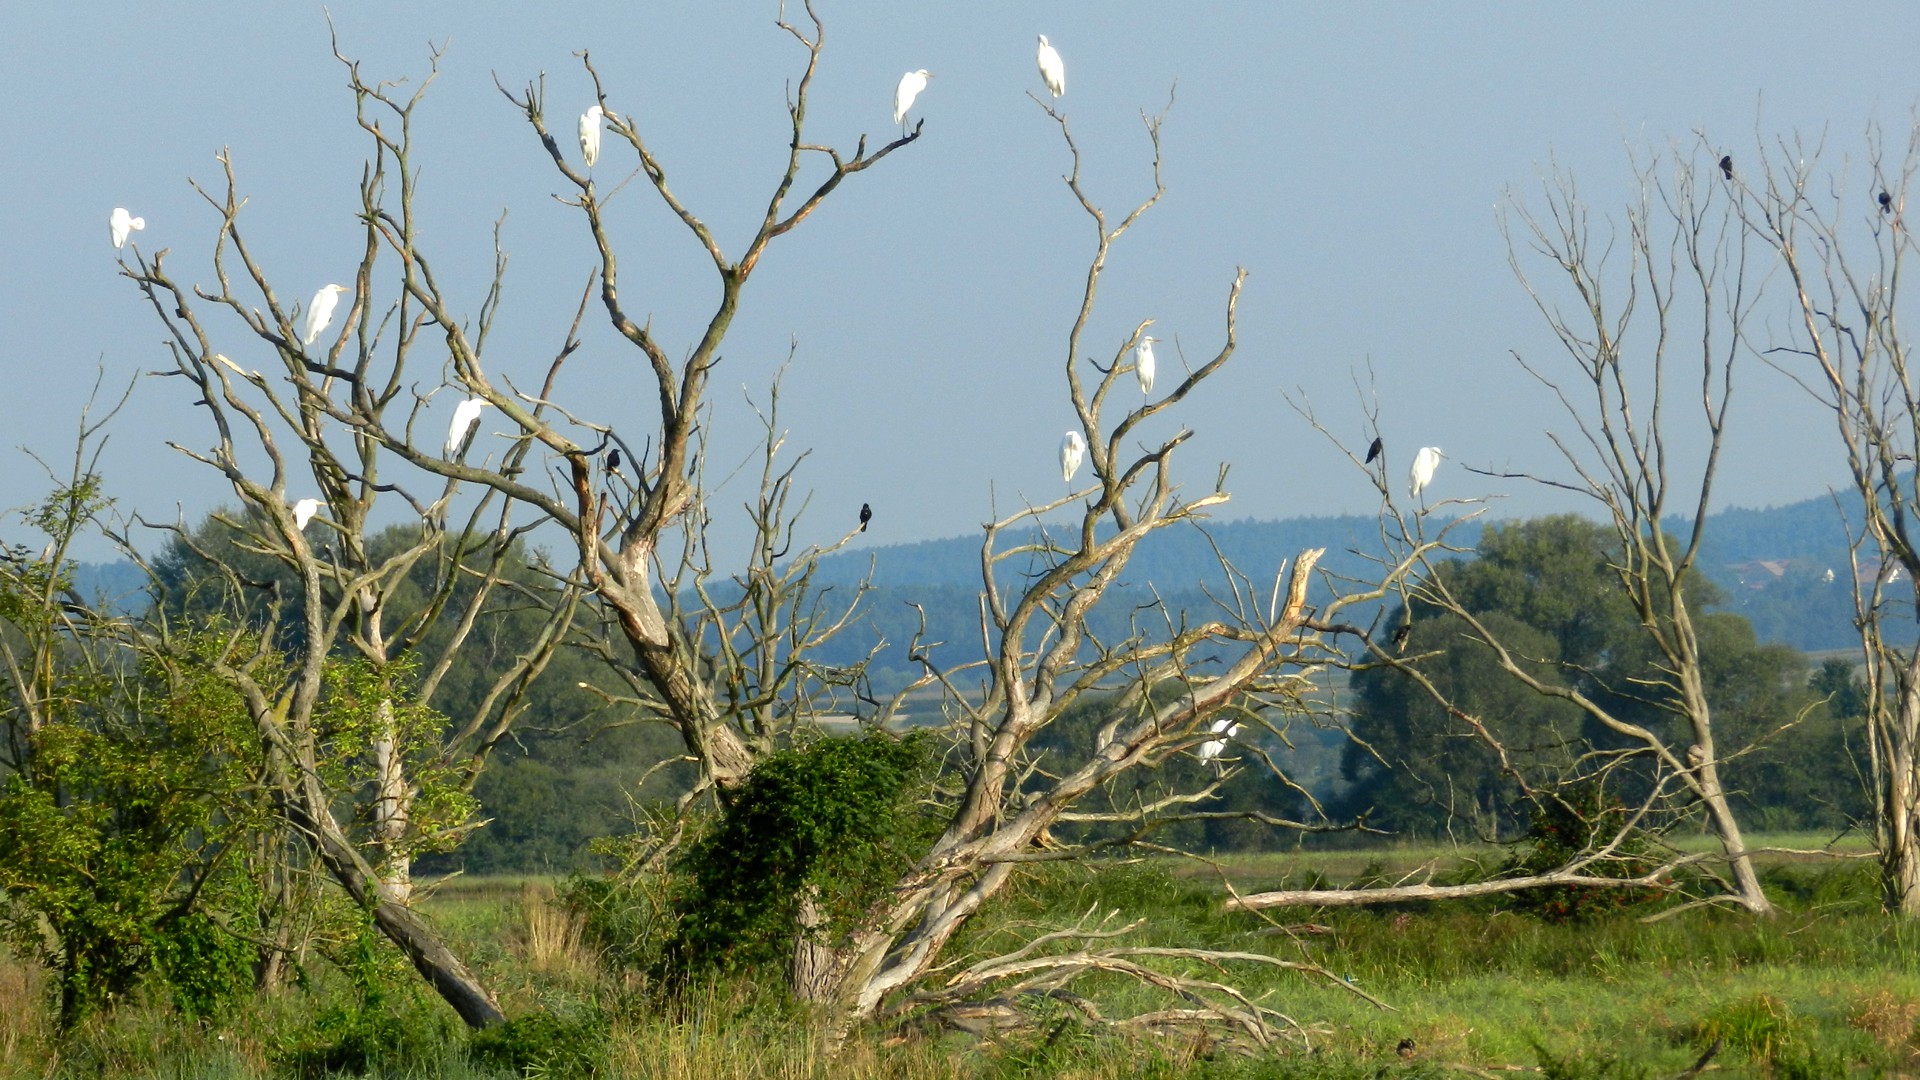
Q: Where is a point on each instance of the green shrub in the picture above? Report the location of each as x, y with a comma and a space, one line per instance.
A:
1560, 830
384, 1023
836, 821
542, 1044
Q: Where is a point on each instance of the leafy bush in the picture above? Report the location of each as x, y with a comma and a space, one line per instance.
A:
1562, 829
834, 822
542, 1044
383, 1023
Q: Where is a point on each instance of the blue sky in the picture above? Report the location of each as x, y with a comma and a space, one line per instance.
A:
1352, 157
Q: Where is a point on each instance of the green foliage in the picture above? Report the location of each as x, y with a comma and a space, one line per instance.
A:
1427, 766
547, 790
1844, 690
1565, 827
1549, 590
625, 918
207, 968
383, 1022
362, 702
545, 1045
113, 831
834, 822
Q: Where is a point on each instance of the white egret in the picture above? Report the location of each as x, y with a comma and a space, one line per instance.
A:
590, 134
464, 418
1073, 450
1829, 576
320, 312
1424, 462
910, 86
1052, 71
122, 224
1143, 364
1213, 748
303, 512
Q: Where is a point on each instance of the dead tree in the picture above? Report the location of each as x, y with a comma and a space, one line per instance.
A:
639, 532
1664, 331
1844, 252
1250, 664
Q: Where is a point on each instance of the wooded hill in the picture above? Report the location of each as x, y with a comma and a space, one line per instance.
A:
568, 777
1769, 565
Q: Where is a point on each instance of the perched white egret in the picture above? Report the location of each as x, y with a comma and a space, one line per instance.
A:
910, 86
1143, 363
464, 418
1213, 748
1052, 71
590, 134
320, 312
122, 225
1424, 462
1073, 450
303, 512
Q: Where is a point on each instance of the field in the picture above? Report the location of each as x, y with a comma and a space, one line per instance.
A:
1831, 987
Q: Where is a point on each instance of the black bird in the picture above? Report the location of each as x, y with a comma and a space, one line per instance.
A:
1886, 203
1373, 451
1726, 165
866, 515
613, 461
1400, 636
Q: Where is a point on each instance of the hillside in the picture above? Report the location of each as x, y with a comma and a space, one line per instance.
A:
1769, 565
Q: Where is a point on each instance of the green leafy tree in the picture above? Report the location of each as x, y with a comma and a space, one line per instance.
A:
1421, 767
130, 798
1548, 590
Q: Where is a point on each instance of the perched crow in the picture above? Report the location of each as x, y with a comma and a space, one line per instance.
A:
1373, 451
1886, 203
1400, 636
613, 461
1726, 165
866, 515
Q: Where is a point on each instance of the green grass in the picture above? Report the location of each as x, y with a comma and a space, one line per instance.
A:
1831, 987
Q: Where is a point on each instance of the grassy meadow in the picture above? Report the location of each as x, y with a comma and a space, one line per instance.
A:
1829, 988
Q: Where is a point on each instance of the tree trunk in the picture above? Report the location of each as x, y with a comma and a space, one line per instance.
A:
304, 802
815, 963
1898, 804
1747, 887
392, 803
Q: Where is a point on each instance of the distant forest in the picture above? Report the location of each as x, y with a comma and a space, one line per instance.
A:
1770, 566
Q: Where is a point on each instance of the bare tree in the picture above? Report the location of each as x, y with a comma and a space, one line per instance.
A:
1843, 244
1156, 695
639, 536
1663, 330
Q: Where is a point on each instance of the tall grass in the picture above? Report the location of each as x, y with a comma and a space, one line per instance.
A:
1831, 987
